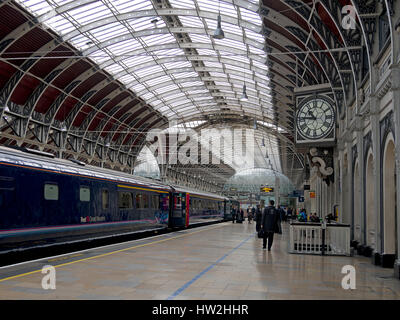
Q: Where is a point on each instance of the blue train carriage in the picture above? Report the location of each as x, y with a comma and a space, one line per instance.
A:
46, 201
192, 206
230, 203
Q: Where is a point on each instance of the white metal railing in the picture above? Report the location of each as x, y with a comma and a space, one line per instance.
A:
305, 238
338, 240
321, 239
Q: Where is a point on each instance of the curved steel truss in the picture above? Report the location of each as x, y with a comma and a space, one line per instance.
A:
89, 78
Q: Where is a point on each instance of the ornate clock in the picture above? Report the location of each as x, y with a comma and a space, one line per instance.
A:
315, 120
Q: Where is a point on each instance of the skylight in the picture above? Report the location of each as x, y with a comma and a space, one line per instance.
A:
167, 55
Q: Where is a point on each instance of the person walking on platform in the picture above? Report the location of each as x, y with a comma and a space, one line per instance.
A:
289, 213
270, 224
250, 214
282, 213
233, 212
258, 217
241, 215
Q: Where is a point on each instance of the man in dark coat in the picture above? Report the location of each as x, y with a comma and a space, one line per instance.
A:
233, 212
258, 218
282, 213
270, 224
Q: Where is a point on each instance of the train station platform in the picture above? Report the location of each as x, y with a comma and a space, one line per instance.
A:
222, 261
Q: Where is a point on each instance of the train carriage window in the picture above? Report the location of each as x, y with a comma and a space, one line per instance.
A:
155, 201
50, 191
104, 199
84, 194
177, 202
145, 199
138, 200
164, 202
142, 201
125, 200
7, 183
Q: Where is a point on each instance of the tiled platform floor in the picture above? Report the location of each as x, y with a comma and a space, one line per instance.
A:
223, 261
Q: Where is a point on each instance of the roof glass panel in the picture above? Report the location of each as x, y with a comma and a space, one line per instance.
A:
122, 47
199, 38
181, 75
158, 80
185, 4
124, 6
169, 57
191, 22
166, 89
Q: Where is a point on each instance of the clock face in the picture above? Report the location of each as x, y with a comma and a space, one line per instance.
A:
315, 118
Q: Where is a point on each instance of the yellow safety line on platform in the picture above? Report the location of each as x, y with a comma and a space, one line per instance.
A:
109, 253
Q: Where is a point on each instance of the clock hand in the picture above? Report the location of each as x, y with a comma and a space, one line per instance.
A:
312, 115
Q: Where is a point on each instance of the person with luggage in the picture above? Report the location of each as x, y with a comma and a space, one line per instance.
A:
270, 224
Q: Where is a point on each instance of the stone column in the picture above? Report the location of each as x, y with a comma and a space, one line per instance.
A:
340, 182
360, 210
376, 149
348, 181
396, 104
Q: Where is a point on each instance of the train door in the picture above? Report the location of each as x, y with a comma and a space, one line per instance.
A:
187, 210
8, 203
83, 204
178, 210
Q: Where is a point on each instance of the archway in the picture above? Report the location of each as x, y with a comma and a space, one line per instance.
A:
389, 198
357, 204
369, 202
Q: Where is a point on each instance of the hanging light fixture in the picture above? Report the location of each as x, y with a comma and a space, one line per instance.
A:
244, 96
219, 33
63, 127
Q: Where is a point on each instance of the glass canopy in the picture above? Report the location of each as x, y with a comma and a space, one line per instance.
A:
146, 164
165, 53
250, 181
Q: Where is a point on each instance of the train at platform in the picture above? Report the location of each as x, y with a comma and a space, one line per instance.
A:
44, 201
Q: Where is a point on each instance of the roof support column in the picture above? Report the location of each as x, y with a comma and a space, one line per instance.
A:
361, 182
348, 181
376, 141
396, 102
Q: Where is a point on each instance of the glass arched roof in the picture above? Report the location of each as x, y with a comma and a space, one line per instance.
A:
250, 180
165, 53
